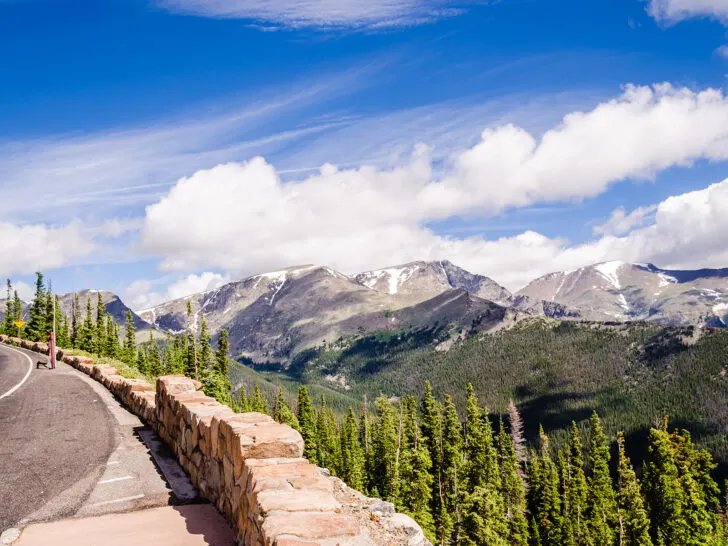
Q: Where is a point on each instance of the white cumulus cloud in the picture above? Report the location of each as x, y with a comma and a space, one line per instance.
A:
677, 10
242, 218
28, 248
141, 295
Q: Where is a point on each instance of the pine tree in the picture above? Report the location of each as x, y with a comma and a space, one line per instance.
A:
574, 491
259, 405
142, 363
8, 328
307, 419
385, 439
544, 499
283, 414
17, 310
129, 348
634, 525
37, 327
243, 403
221, 354
513, 491
700, 490
191, 365
601, 510
155, 360
484, 512
663, 491
415, 488
515, 424
75, 322
86, 341
205, 352
352, 454
100, 327
326, 435
452, 475
365, 440
432, 440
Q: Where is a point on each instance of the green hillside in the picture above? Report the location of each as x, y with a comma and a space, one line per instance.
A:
556, 372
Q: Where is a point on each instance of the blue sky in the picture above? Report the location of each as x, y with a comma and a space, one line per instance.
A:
105, 106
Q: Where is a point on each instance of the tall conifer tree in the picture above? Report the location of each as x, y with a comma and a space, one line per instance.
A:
601, 512
415, 490
452, 475
8, 327
513, 490
36, 328
544, 497
634, 525
352, 454
129, 349
575, 491
307, 419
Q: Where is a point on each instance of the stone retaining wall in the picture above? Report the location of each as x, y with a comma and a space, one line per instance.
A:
250, 467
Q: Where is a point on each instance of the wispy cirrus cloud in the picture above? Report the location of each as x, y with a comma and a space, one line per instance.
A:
125, 168
332, 14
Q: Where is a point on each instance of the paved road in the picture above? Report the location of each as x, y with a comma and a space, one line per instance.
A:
53, 433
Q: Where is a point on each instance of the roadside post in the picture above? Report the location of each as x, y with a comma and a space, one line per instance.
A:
19, 324
52, 344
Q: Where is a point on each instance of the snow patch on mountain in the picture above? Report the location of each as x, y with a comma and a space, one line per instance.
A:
666, 280
610, 272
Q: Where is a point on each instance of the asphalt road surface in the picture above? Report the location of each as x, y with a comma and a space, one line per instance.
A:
54, 432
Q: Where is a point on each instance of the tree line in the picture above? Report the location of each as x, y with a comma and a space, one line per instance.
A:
467, 482
93, 330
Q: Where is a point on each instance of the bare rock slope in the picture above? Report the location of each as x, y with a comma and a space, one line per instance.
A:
619, 291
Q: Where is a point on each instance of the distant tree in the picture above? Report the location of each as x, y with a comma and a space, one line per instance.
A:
100, 341
155, 360
242, 402
86, 337
129, 348
282, 413
221, 355
75, 322
8, 328
37, 323
204, 352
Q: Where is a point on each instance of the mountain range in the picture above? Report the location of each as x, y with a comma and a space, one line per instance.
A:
273, 316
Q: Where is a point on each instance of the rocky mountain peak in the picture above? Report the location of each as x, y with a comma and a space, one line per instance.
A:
420, 280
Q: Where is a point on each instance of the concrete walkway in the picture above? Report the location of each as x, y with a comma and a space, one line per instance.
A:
192, 525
